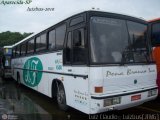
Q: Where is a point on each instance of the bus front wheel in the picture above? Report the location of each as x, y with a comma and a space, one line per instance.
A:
61, 97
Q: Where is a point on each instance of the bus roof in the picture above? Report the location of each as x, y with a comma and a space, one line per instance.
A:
154, 20
73, 14
24, 39
8, 46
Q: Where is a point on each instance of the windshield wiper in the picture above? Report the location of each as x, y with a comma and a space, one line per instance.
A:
144, 53
127, 57
139, 49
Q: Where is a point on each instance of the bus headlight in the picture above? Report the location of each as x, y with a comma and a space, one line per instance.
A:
152, 92
112, 101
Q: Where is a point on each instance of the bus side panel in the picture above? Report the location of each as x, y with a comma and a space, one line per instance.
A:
37, 79
18, 70
38, 73
52, 66
77, 88
12, 69
75, 85
14, 65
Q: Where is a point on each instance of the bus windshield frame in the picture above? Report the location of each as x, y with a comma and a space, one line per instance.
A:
128, 42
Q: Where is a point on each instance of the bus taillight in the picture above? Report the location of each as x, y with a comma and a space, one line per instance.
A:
99, 89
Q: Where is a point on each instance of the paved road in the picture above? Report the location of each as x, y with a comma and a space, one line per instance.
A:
19, 102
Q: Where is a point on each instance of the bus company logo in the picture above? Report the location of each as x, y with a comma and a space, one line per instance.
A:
32, 72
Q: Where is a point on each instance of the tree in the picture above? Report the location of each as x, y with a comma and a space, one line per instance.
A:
10, 38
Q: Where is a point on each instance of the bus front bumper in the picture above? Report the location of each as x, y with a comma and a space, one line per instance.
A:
121, 101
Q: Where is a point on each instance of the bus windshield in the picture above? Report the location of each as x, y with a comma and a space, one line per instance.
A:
7, 62
118, 41
7, 53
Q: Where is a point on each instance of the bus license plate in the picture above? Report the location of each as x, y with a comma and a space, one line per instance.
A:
135, 97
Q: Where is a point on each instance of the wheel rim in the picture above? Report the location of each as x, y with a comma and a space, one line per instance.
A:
61, 96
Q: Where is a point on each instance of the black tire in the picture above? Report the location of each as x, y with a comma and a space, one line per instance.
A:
61, 98
18, 80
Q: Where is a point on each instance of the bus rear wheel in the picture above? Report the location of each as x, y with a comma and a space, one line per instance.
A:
18, 80
61, 98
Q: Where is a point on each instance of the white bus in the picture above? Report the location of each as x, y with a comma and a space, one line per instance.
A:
5, 62
93, 61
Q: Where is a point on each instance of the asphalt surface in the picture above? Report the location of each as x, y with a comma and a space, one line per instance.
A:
20, 102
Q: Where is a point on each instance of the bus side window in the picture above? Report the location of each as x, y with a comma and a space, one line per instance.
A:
68, 48
30, 47
60, 36
13, 52
79, 51
52, 40
41, 43
23, 49
17, 51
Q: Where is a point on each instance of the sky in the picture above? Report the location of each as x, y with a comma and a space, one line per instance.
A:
18, 18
